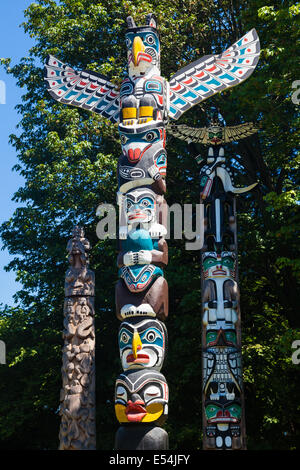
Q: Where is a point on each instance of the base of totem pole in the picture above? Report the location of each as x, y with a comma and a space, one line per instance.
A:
137, 437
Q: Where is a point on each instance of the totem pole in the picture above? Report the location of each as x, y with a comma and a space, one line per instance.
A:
77, 401
222, 386
142, 107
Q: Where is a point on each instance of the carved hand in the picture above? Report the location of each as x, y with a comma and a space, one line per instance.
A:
154, 172
144, 257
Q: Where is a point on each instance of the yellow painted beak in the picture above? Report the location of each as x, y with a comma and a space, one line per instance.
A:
137, 47
136, 344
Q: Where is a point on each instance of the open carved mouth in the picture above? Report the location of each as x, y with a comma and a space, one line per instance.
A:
135, 412
137, 215
219, 272
141, 359
223, 419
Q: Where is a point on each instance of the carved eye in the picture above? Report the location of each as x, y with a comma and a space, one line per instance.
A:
150, 39
145, 203
210, 262
150, 136
123, 139
151, 393
121, 393
128, 43
124, 337
129, 205
151, 336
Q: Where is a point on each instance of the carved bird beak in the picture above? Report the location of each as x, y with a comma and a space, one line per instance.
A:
137, 48
136, 344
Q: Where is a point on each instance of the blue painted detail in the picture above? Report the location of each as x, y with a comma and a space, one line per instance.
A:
70, 95
234, 69
179, 101
190, 94
92, 100
82, 97
213, 81
226, 76
201, 88
153, 85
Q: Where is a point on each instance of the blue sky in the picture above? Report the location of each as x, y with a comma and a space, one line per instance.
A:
15, 44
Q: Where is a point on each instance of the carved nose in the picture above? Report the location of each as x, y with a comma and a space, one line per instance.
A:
223, 414
134, 155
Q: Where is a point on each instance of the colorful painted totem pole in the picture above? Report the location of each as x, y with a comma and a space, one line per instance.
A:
222, 388
77, 401
142, 107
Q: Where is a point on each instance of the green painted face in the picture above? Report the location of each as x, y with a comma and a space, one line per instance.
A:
211, 410
229, 413
215, 135
235, 411
228, 262
209, 262
223, 265
211, 336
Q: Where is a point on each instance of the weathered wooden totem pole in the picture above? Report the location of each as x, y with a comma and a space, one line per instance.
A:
222, 387
77, 401
142, 107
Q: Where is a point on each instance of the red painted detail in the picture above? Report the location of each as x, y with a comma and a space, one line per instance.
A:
199, 75
160, 99
53, 83
176, 88
143, 56
103, 90
248, 50
187, 82
211, 69
93, 87
134, 155
82, 83
247, 61
141, 358
135, 411
245, 39
55, 62
240, 72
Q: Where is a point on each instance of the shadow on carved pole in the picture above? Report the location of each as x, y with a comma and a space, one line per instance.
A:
77, 400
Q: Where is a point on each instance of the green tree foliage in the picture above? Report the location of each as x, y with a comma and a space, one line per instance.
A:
68, 158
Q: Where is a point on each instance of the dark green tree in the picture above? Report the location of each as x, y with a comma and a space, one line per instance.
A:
68, 158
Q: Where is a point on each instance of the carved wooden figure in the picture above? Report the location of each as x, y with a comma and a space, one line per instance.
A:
222, 387
142, 108
77, 400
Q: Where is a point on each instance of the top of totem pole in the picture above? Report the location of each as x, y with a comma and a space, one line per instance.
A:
151, 23
143, 47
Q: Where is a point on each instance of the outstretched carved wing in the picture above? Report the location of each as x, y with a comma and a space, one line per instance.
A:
189, 134
235, 133
213, 73
201, 135
87, 90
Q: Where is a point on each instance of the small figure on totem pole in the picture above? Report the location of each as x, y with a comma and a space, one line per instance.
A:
142, 108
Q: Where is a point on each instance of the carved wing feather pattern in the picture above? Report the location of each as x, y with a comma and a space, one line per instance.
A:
87, 90
213, 73
201, 135
189, 134
235, 133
